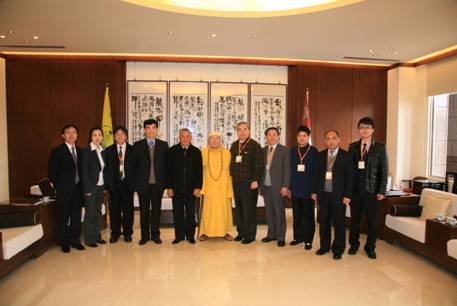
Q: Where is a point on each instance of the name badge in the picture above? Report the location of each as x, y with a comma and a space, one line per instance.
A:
362, 164
267, 167
301, 168
239, 159
328, 175
121, 168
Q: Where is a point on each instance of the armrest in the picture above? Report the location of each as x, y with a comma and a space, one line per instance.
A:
409, 200
401, 210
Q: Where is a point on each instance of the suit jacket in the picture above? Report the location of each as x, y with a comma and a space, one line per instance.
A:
143, 164
61, 168
112, 174
90, 168
279, 169
342, 173
184, 174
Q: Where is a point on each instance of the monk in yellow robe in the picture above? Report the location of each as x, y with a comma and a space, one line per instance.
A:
216, 220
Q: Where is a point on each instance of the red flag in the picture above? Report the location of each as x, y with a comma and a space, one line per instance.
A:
306, 112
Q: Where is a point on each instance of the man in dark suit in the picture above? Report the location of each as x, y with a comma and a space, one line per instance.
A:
371, 169
184, 182
120, 182
274, 186
334, 190
64, 173
150, 180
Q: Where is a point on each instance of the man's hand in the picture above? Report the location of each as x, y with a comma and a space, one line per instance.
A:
380, 196
289, 194
346, 201
88, 194
170, 193
314, 196
197, 192
254, 185
284, 191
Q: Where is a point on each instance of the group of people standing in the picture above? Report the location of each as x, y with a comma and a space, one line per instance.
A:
334, 178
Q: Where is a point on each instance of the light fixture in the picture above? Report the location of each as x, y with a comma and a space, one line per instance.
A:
171, 33
2, 36
26, 41
370, 51
35, 37
10, 32
213, 35
255, 36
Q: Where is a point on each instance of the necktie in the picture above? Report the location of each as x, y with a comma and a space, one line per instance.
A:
331, 160
75, 160
364, 151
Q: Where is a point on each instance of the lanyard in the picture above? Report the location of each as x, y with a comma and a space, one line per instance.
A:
302, 157
241, 148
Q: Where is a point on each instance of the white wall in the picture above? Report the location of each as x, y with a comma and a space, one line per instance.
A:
206, 72
4, 182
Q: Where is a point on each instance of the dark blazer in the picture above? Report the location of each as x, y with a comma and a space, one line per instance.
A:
143, 164
279, 169
112, 174
61, 168
377, 166
342, 173
302, 184
184, 175
90, 168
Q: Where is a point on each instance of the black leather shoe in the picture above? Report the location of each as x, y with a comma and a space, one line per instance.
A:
321, 252
281, 243
268, 239
239, 238
113, 239
78, 246
176, 241
295, 242
337, 256
142, 241
308, 246
157, 240
371, 254
191, 240
101, 241
92, 245
353, 250
65, 248
128, 238
247, 241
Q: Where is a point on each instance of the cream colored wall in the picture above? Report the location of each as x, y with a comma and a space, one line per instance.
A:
442, 77
4, 182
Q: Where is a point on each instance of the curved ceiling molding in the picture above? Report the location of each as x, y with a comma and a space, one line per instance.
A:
242, 8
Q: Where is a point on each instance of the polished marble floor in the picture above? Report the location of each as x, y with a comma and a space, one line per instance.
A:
217, 272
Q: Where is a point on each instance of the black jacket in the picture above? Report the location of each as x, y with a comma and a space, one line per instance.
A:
377, 167
112, 174
184, 174
90, 168
61, 168
342, 173
143, 164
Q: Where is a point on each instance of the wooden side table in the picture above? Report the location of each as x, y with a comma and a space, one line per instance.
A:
437, 234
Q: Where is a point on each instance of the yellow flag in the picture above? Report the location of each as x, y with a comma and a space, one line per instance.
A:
107, 123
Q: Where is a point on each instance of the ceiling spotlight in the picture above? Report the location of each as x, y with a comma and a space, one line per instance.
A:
171, 33
35, 37
2, 36
213, 35
395, 52
370, 51
26, 41
255, 36
374, 54
10, 32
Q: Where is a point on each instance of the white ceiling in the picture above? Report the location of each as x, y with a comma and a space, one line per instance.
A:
413, 27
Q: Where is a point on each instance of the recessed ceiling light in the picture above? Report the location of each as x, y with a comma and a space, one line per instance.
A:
395, 52
171, 33
370, 51
26, 41
10, 32
213, 35
2, 36
374, 54
255, 36
35, 37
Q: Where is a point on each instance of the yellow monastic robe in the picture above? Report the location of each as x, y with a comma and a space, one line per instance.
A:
217, 192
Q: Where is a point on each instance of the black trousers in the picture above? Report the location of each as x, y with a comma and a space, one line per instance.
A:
69, 204
245, 209
303, 219
150, 205
332, 211
121, 210
184, 215
364, 203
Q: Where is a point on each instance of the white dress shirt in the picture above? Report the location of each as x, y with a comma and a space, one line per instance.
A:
99, 151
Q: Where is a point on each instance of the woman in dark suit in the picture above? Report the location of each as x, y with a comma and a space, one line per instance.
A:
92, 165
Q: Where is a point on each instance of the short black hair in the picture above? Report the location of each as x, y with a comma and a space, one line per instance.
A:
303, 128
96, 128
330, 131
366, 121
120, 128
272, 128
69, 126
150, 122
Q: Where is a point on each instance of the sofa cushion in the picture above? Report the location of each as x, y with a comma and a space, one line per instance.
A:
433, 205
411, 227
452, 248
16, 239
452, 209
